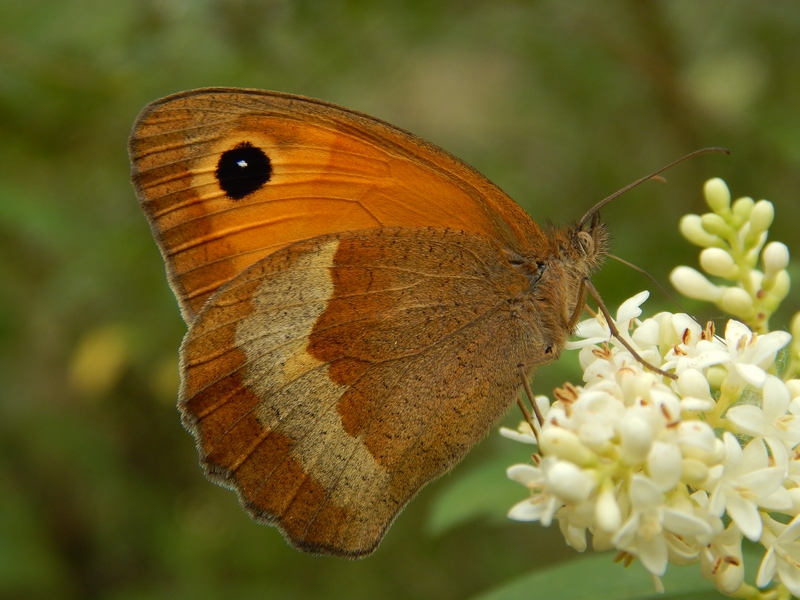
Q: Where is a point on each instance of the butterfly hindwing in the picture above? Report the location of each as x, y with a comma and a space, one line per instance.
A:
334, 378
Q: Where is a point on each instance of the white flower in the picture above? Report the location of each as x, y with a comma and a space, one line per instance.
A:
771, 421
745, 483
542, 504
750, 353
698, 442
573, 520
643, 534
595, 416
721, 560
595, 330
523, 433
695, 350
782, 556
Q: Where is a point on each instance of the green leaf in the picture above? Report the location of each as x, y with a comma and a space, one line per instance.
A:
596, 577
483, 492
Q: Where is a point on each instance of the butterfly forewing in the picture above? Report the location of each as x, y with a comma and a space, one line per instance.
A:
227, 177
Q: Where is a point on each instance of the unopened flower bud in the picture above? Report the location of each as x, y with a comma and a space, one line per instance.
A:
664, 465
607, 512
715, 225
775, 257
778, 291
794, 384
694, 284
716, 376
691, 227
693, 471
715, 261
761, 217
696, 440
718, 197
742, 208
637, 436
692, 383
564, 444
736, 302
569, 482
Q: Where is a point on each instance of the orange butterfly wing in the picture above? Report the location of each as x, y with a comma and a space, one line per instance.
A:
334, 378
328, 170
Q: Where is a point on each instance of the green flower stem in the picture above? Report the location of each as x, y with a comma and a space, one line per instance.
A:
727, 398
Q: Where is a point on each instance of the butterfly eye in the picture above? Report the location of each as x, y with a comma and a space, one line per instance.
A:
586, 242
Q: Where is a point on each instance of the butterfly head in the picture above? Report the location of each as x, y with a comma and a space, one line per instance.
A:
589, 242
575, 253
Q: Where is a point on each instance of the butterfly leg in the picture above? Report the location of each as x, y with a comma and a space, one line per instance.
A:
615, 332
529, 393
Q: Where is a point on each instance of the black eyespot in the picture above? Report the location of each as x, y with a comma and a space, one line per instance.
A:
243, 170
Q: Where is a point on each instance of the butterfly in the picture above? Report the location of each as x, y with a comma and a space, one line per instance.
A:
360, 303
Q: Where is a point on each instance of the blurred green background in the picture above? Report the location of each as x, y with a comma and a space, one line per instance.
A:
559, 103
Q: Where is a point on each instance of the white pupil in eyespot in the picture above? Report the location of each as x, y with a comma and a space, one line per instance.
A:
242, 163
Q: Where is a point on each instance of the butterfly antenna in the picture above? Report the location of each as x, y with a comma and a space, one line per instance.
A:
664, 291
669, 296
641, 180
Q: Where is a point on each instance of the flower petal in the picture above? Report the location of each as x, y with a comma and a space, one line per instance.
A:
780, 500
645, 495
664, 465
735, 330
685, 524
517, 436
768, 345
527, 510
767, 568
630, 309
745, 515
752, 374
790, 577
776, 398
607, 513
763, 482
747, 418
733, 451
524, 474
653, 553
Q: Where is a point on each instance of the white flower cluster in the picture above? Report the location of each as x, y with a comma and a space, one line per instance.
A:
674, 471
